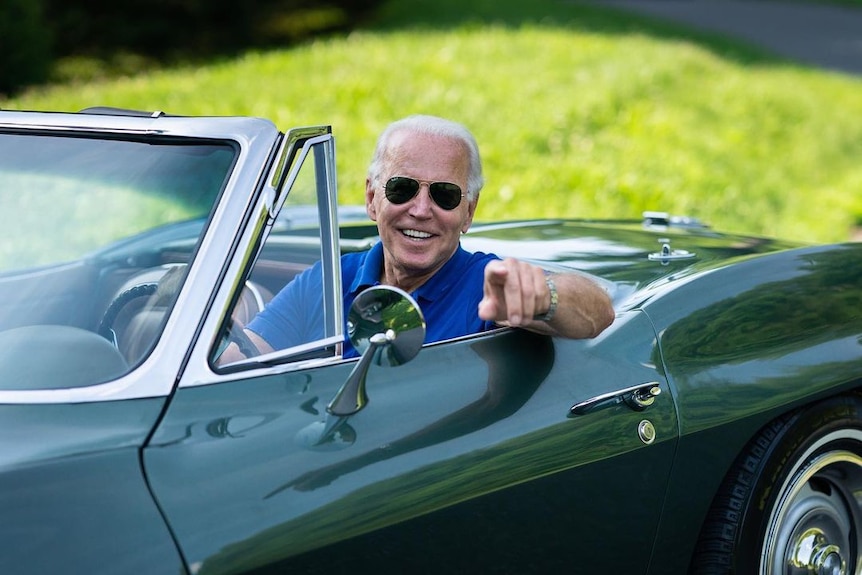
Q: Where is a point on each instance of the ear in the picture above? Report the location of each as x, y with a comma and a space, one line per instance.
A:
468, 221
370, 208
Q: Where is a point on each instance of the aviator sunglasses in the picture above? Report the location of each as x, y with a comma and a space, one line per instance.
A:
401, 189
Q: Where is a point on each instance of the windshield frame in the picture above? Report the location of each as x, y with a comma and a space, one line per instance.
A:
255, 141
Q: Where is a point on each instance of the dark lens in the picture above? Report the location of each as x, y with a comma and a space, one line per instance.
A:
447, 195
400, 189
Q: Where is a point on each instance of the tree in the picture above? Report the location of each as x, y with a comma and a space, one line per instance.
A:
25, 41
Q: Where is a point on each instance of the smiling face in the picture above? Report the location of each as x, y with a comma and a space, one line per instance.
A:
419, 236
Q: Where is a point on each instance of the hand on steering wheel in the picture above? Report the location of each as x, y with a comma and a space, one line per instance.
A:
235, 345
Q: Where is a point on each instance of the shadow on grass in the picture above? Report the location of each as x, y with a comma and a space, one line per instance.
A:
575, 15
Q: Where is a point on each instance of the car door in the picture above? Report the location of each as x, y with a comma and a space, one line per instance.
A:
470, 457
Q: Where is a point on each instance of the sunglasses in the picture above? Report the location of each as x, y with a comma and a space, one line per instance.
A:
401, 189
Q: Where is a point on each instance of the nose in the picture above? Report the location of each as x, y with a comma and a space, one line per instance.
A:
422, 202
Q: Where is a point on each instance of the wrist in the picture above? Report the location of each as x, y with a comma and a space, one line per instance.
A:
554, 300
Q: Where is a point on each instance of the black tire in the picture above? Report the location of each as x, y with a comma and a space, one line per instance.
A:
792, 502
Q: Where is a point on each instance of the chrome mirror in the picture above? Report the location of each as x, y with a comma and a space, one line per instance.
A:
387, 327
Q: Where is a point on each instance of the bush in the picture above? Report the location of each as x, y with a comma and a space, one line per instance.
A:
168, 29
101, 33
25, 50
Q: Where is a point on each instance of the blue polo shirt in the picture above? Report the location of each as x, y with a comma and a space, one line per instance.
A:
449, 299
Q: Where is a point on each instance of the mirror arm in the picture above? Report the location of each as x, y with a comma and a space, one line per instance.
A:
352, 397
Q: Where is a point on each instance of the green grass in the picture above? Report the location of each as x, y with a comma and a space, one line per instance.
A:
579, 111
50, 220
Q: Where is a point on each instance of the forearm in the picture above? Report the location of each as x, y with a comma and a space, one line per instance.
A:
232, 352
583, 308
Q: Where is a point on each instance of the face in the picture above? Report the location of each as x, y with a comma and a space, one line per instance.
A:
419, 236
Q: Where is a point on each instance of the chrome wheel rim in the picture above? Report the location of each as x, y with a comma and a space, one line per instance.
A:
814, 527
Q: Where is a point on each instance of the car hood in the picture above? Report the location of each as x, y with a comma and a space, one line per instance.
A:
627, 255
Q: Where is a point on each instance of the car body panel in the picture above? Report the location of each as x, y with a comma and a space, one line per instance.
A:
760, 338
425, 441
73, 494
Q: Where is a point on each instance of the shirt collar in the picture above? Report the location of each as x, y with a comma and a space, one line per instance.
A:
371, 268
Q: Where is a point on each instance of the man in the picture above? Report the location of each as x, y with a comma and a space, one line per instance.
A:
422, 189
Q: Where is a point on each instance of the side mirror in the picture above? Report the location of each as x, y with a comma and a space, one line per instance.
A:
387, 327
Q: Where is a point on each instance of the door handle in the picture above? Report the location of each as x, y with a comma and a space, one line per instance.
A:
638, 398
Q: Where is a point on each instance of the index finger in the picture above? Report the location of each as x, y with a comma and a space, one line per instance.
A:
512, 292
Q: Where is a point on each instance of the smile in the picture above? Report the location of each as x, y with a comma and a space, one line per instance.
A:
416, 234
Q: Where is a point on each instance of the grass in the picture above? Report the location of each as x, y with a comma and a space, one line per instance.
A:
580, 111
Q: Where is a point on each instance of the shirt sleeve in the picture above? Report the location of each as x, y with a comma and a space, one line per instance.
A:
295, 314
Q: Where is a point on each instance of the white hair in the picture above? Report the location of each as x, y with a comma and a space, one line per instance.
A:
433, 126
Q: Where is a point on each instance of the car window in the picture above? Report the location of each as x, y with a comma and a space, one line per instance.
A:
65, 197
95, 237
283, 295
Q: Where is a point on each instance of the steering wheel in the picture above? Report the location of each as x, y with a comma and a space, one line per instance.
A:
106, 326
235, 333
160, 293
162, 288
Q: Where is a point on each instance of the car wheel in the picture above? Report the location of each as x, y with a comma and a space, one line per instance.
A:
792, 503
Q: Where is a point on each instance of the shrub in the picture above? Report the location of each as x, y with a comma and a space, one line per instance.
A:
25, 50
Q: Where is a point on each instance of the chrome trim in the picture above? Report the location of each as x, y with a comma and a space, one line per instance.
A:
256, 295
328, 201
327, 207
198, 371
664, 220
668, 254
273, 359
636, 397
223, 128
293, 136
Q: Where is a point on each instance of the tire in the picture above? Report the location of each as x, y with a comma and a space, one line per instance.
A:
787, 506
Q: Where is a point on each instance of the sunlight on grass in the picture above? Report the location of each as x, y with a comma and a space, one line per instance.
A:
44, 234
571, 122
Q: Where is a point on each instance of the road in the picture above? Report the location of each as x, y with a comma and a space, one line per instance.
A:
823, 35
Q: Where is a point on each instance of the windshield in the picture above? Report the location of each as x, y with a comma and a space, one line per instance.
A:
85, 219
62, 197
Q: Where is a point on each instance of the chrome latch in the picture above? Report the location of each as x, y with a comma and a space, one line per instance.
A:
642, 397
668, 254
637, 397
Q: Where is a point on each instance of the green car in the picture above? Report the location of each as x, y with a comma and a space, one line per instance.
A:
715, 427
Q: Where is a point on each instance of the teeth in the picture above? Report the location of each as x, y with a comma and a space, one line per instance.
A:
416, 234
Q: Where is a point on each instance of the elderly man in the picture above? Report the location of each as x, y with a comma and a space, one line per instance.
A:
422, 190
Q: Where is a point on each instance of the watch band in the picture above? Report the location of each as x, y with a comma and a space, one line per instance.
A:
552, 309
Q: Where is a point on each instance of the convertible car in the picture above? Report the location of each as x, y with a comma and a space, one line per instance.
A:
715, 427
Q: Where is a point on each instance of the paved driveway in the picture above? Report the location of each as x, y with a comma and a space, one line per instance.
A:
822, 35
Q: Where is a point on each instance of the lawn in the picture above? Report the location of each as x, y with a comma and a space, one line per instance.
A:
579, 111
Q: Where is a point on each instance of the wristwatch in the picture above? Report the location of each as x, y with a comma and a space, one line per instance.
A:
555, 298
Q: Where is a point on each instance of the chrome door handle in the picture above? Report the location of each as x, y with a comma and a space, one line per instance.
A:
638, 397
